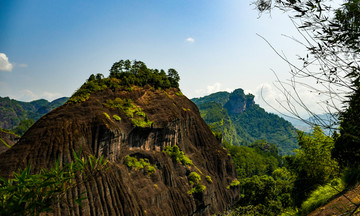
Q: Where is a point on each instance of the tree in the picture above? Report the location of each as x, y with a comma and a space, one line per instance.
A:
91, 78
347, 145
173, 77
312, 163
23, 126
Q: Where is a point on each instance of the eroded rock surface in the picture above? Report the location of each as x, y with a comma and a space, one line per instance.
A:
120, 190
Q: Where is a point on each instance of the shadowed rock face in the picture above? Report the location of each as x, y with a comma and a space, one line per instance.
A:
120, 190
239, 102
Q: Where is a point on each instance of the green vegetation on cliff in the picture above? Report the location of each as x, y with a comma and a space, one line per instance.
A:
35, 194
177, 155
126, 74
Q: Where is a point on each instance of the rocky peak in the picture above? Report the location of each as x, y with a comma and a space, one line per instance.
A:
238, 102
139, 122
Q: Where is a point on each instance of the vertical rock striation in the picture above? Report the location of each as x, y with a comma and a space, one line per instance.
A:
120, 190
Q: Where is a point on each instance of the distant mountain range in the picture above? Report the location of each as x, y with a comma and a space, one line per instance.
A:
242, 122
323, 120
12, 112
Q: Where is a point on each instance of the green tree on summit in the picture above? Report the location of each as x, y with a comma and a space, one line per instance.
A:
173, 77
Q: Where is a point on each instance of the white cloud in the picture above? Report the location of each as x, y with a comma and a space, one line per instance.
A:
216, 87
27, 95
190, 40
50, 96
272, 100
5, 65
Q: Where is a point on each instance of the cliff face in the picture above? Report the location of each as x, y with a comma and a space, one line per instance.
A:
238, 102
120, 190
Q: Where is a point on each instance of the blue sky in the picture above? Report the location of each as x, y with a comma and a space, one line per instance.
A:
48, 48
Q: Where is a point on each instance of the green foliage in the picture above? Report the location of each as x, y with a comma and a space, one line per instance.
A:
126, 74
312, 163
179, 93
142, 164
198, 188
12, 112
322, 195
136, 73
106, 115
23, 126
3, 142
194, 178
117, 118
208, 179
346, 149
257, 124
139, 122
265, 187
218, 97
247, 126
32, 194
219, 121
177, 155
266, 194
351, 175
253, 161
234, 183
127, 106
84, 92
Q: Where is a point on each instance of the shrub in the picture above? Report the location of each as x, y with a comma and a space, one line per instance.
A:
234, 183
141, 122
198, 188
117, 118
179, 93
208, 179
194, 178
142, 164
176, 154
107, 115
137, 116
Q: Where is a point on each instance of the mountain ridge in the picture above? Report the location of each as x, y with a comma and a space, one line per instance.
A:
12, 111
242, 121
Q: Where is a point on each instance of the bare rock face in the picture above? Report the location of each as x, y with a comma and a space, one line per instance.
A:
119, 190
239, 102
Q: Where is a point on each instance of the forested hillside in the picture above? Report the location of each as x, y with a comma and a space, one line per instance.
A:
18, 116
243, 122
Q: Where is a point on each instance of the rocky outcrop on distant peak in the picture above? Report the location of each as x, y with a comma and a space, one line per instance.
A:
239, 102
120, 190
